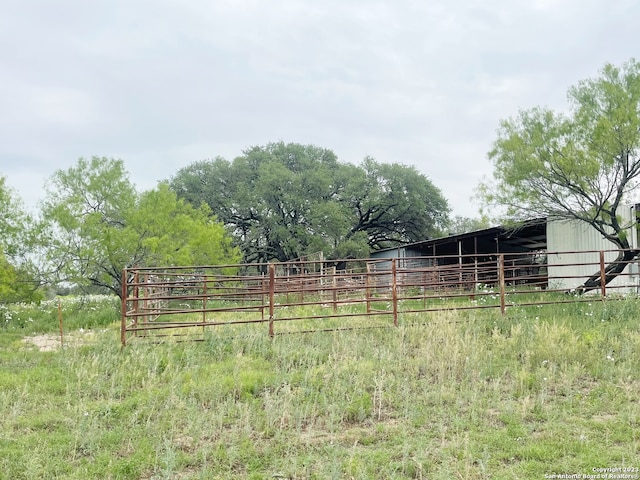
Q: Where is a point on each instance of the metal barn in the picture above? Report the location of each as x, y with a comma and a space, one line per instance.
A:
570, 250
574, 248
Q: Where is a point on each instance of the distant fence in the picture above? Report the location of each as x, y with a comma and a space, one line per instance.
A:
159, 300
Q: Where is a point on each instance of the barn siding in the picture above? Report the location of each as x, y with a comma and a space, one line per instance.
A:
575, 236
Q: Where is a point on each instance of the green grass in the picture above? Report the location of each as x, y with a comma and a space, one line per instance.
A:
451, 395
77, 312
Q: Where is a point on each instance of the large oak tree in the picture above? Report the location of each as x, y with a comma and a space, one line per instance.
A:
284, 201
582, 165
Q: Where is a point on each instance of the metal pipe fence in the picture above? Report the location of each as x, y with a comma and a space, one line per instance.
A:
315, 294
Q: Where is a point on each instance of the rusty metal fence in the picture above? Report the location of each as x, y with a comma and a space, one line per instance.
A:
321, 294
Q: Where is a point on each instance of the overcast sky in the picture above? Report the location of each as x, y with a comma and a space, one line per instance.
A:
164, 83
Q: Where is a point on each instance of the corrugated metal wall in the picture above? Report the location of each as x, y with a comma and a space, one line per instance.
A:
575, 236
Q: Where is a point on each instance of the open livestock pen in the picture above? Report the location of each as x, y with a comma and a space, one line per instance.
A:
157, 300
328, 295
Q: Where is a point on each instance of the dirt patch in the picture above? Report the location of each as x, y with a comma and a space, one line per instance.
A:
50, 342
44, 343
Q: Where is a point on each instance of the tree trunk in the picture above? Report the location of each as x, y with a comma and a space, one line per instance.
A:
611, 271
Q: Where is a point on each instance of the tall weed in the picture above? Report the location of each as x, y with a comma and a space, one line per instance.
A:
446, 395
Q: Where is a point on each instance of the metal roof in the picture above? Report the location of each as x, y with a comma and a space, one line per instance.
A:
526, 237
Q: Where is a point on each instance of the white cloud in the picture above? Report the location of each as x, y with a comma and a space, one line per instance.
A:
165, 83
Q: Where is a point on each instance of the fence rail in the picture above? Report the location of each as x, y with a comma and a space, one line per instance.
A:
158, 300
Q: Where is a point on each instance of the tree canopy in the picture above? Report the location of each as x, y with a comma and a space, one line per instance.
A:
18, 278
95, 224
582, 165
285, 201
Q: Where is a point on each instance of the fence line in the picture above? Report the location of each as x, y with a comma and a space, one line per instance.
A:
163, 299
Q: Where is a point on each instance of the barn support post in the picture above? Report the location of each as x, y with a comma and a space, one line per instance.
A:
272, 289
603, 277
394, 291
501, 283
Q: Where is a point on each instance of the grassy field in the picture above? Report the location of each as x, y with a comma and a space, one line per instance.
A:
541, 391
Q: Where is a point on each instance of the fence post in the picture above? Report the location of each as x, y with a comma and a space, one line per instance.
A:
424, 289
474, 287
367, 289
334, 288
145, 292
60, 323
603, 277
205, 292
262, 290
501, 283
136, 302
394, 292
301, 280
272, 289
123, 309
